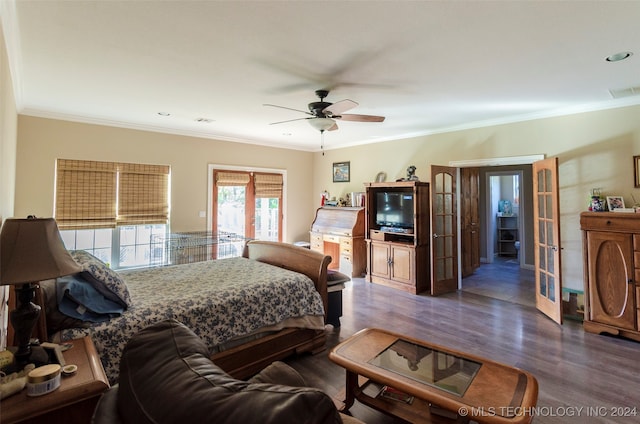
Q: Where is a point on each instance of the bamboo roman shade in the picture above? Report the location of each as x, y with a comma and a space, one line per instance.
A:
143, 194
85, 194
92, 194
232, 178
268, 185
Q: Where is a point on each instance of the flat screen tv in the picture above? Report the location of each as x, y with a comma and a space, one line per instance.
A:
394, 209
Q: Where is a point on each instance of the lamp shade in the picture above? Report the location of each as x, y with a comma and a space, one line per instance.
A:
322, 124
32, 250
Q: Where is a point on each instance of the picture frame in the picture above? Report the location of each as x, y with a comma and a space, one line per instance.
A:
636, 171
341, 172
615, 202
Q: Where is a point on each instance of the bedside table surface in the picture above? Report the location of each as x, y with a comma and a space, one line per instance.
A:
88, 382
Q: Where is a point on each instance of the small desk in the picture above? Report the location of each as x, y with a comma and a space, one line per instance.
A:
73, 402
339, 232
442, 381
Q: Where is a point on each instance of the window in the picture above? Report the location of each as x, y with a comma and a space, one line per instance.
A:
116, 211
122, 247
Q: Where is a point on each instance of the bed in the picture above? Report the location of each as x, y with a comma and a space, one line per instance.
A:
266, 305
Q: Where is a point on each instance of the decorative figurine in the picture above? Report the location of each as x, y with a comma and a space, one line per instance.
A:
411, 175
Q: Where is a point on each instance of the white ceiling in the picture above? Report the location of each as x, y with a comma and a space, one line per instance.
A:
428, 66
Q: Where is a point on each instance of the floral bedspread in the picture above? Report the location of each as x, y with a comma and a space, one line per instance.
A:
218, 300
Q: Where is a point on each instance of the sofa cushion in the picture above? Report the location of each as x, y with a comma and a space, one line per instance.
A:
166, 376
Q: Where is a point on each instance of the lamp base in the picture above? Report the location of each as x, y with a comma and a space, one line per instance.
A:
23, 319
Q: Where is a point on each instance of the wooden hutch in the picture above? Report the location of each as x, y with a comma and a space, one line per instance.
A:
611, 245
339, 233
399, 257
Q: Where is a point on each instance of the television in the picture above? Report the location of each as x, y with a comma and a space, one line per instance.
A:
394, 209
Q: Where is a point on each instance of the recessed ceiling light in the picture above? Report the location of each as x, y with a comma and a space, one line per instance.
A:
205, 120
164, 114
619, 56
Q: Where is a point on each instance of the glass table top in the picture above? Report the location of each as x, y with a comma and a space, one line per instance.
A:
438, 369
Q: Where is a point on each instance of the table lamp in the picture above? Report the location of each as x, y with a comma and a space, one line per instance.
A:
31, 250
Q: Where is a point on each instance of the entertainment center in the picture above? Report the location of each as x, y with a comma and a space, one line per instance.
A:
397, 235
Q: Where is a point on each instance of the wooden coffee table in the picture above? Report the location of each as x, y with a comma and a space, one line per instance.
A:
445, 385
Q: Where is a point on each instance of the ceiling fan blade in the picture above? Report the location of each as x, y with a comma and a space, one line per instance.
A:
288, 120
338, 107
334, 127
360, 118
288, 108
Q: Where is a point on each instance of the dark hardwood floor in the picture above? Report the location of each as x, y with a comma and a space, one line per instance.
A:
578, 373
503, 279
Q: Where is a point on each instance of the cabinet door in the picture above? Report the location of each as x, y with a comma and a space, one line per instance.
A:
610, 262
380, 260
402, 264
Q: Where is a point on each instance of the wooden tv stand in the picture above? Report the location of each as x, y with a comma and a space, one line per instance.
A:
399, 258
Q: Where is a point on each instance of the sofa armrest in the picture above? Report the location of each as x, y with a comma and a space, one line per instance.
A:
279, 373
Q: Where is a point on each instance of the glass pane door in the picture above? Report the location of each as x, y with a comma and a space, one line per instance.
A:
444, 254
248, 205
547, 238
230, 220
267, 219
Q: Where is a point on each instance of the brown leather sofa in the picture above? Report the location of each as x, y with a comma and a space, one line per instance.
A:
166, 376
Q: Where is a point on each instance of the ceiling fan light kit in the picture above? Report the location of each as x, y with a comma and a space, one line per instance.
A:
322, 124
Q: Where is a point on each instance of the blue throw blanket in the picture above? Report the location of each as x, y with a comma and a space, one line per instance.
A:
79, 299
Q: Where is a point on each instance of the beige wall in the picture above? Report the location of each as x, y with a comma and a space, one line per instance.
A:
8, 139
8, 129
41, 141
594, 149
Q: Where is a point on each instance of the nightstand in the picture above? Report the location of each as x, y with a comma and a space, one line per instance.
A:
73, 402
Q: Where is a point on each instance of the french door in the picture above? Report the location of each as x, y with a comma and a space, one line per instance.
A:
248, 205
546, 230
444, 227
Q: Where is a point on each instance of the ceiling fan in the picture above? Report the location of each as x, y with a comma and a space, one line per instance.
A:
323, 115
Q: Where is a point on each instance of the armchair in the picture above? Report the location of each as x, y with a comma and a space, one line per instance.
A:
166, 376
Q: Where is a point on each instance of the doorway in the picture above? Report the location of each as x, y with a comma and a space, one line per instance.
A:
504, 217
507, 262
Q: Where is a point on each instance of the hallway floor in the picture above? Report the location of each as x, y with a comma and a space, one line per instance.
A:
503, 279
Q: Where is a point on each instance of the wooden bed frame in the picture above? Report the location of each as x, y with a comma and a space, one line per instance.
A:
247, 359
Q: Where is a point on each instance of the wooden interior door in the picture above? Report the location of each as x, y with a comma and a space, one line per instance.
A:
469, 219
546, 234
444, 229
